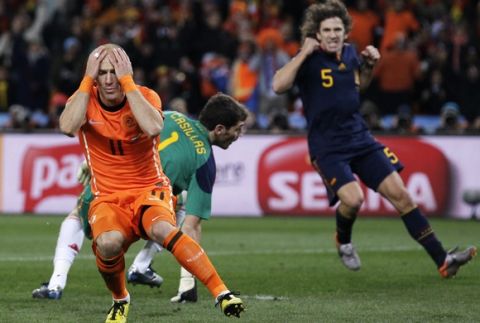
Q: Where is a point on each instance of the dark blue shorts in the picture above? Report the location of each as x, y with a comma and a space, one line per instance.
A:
371, 167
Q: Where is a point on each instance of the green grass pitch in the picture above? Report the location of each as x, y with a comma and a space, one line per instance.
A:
286, 269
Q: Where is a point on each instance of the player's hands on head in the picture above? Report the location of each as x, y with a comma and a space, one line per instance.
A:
93, 62
121, 62
370, 55
310, 45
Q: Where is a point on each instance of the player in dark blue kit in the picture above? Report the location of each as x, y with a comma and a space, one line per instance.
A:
330, 75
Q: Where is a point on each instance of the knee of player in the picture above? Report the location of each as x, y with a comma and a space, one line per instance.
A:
160, 230
110, 244
192, 223
353, 202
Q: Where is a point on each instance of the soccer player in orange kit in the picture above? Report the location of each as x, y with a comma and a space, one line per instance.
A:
118, 124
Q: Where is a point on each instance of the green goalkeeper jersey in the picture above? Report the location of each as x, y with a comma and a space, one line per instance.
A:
187, 159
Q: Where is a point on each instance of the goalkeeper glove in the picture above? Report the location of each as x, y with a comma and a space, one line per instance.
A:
83, 174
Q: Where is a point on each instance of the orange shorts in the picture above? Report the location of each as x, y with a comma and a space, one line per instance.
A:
123, 212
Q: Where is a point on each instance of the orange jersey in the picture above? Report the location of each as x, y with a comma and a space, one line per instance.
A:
120, 156
397, 23
364, 24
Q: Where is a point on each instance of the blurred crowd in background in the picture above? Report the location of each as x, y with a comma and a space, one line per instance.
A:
428, 80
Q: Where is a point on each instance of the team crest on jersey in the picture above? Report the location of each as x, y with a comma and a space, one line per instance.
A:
342, 67
129, 122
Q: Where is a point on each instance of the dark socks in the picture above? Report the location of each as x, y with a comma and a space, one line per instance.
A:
344, 228
420, 230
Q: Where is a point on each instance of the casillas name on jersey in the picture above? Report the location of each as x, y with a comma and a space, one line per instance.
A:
189, 131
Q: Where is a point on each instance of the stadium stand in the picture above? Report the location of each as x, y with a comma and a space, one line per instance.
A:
172, 44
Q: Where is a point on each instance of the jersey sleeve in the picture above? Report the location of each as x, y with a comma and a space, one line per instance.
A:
199, 201
301, 72
357, 61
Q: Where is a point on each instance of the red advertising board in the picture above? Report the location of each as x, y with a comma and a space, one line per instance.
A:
273, 174
287, 184
49, 172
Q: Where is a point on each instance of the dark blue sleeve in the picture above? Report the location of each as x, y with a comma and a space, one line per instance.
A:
205, 175
356, 60
300, 77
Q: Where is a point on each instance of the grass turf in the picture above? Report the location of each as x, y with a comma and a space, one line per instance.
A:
286, 269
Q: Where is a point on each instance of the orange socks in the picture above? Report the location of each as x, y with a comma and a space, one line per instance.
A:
113, 273
192, 257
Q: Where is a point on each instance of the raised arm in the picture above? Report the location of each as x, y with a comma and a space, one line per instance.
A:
149, 119
370, 58
73, 116
284, 77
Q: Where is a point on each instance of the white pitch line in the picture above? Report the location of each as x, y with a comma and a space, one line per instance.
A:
265, 297
29, 258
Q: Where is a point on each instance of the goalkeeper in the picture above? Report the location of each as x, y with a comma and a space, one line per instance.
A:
187, 159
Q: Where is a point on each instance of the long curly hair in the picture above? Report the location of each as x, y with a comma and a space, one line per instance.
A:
316, 13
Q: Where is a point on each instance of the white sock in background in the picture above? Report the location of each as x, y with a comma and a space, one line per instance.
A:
187, 280
69, 243
145, 256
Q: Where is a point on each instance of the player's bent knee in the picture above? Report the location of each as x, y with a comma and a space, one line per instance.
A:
110, 244
192, 224
351, 196
353, 203
158, 222
160, 230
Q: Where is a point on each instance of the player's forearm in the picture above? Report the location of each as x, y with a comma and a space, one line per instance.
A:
148, 118
370, 56
73, 116
285, 77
